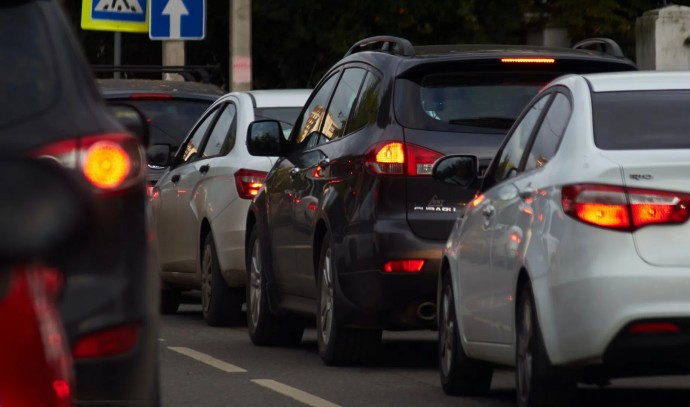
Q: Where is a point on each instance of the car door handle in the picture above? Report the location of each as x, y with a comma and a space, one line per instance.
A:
175, 178
526, 194
324, 162
204, 168
294, 172
488, 211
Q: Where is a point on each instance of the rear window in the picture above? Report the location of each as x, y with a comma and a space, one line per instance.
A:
285, 115
641, 120
467, 101
28, 69
171, 120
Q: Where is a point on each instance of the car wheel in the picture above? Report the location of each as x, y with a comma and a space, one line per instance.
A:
339, 345
539, 384
265, 328
170, 300
460, 375
221, 304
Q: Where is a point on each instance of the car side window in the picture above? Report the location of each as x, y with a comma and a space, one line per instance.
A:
367, 108
550, 132
191, 147
309, 135
512, 151
341, 104
222, 137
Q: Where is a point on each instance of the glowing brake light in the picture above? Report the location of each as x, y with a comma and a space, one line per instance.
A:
150, 96
108, 342
622, 208
109, 162
404, 266
106, 164
528, 60
397, 158
249, 182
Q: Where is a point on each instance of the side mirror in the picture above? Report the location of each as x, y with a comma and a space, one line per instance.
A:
44, 211
265, 138
158, 156
460, 170
133, 120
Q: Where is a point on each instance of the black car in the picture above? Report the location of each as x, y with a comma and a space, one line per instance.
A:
51, 109
171, 109
349, 225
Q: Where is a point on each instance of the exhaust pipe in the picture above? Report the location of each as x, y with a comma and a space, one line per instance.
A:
426, 311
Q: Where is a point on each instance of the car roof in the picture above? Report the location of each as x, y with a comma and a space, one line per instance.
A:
125, 87
639, 80
279, 97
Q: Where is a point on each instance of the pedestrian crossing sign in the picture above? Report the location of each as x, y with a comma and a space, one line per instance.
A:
115, 15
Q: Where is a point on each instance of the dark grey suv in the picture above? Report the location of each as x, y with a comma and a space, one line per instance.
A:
350, 226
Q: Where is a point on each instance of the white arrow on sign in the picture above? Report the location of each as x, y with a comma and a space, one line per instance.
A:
175, 9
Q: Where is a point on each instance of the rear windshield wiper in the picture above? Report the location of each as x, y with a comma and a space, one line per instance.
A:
494, 122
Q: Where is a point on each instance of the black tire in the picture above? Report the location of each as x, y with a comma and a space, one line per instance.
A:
539, 383
339, 345
221, 304
460, 375
265, 328
170, 300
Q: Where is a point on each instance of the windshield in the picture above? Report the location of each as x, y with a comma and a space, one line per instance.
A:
285, 115
467, 101
170, 120
656, 119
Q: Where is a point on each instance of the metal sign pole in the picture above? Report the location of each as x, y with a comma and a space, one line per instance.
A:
117, 56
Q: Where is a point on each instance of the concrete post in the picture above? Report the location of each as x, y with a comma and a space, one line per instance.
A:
240, 45
663, 39
549, 37
173, 55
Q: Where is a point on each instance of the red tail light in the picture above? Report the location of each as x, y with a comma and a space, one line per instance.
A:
109, 162
528, 60
397, 158
249, 182
150, 96
404, 266
108, 342
653, 327
623, 208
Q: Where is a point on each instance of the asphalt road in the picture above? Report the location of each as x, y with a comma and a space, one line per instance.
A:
207, 367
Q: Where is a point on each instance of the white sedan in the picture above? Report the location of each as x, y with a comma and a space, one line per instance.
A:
200, 202
573, 261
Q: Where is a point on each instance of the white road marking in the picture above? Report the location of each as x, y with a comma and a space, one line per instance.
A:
209, 360
299, 395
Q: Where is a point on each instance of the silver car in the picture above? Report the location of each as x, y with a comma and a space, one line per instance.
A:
573, 261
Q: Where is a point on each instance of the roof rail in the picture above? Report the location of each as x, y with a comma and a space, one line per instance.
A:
190, 73
606, 45
394, 45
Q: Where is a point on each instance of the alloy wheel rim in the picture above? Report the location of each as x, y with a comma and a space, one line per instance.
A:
326, 305
255, 285
447, 332
525, 357
206, 266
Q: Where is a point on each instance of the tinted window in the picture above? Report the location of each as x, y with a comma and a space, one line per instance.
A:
550, 132
28, 67
308, 135
511, 154
466, 101
170, 120
285, 115
367, 105
641, 119
341, 104
191, 148
222, 137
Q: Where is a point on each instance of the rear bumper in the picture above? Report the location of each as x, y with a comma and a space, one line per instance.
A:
371, 297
